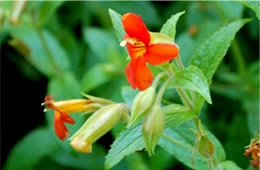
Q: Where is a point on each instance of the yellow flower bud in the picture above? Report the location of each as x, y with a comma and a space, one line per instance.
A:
153, 127
97, 125
141, 104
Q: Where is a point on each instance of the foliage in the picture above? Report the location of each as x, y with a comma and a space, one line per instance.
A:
80, 52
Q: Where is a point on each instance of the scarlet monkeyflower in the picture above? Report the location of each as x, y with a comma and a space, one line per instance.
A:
143, 47
62, 109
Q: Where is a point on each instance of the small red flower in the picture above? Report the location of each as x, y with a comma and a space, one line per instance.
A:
253, 151
142, 48
62, 109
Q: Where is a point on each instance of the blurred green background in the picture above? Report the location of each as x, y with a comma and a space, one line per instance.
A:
64, 48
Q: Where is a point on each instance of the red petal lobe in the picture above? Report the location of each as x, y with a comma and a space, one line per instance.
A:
59, 126
68, 119
157, 54
129, 70
138, 74
135, 27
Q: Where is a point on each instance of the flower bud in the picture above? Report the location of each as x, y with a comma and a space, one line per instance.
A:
98, 100
141, 104
153, 127
97, 125
205, 147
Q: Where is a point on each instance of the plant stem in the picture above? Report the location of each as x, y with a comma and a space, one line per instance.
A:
181, 67
241, 65
179, 63
196, 121
162, 90
157, 79
185, 99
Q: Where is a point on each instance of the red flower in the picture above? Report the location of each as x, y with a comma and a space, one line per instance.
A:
143, 48
253, 151
62, 109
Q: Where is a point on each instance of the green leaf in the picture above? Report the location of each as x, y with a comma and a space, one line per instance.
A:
97, 76
210, 53
143, 8
254, 5
128, 94
129, 141
179, 142
169, 28
161, 160
99, 41
50, 61
31, 149
229, 10
105, 47
136, 161
193, 79
176, 114
230, 165
47, 9
117, 24
77, 160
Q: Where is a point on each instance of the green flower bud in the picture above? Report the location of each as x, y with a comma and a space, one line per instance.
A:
141, 104
206, 147
153, 127
98, 100
97, 125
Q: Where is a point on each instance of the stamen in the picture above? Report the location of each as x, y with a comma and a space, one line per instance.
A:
45, 110
123, 43
128, 40
42, 104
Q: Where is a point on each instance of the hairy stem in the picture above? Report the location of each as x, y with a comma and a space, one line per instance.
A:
157, 79
162, 90
185, 98
179, 63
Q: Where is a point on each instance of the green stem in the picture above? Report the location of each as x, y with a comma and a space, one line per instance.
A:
239, 59
179, 63
162, 90
167, 102
196, 121
185, 99
181, 66
157, 79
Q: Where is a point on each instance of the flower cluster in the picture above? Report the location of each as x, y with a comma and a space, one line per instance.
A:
143, 47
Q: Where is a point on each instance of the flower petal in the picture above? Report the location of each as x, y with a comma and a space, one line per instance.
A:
138, 74
59, 126
68, 119
157, 54
135, 27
